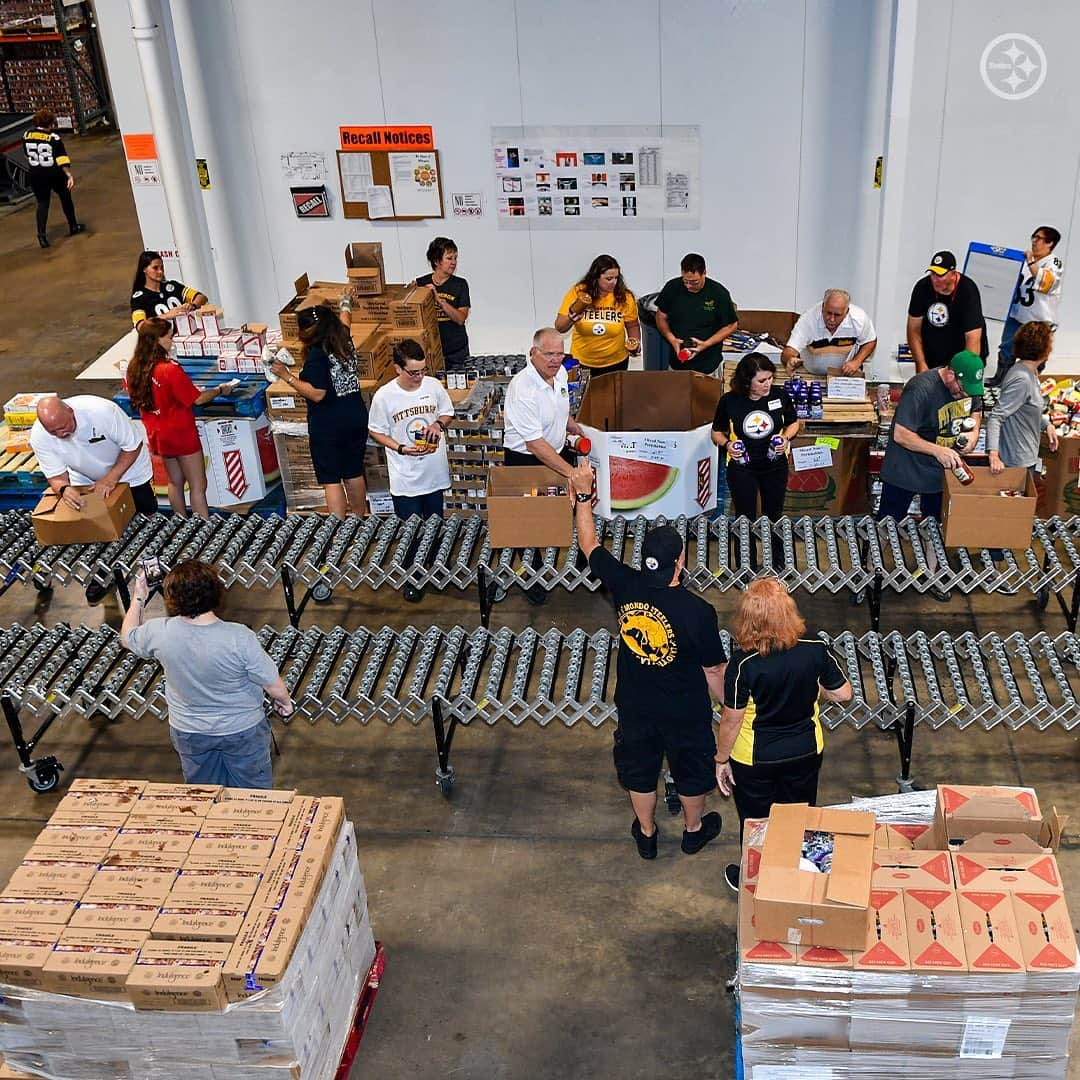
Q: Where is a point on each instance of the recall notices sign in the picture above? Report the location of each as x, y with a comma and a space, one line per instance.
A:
310, 202
388, 137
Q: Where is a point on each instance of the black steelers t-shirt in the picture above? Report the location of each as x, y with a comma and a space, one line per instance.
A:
755, 422
666, 636
145, 303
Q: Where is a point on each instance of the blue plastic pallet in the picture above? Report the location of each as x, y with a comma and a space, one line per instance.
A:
247, 401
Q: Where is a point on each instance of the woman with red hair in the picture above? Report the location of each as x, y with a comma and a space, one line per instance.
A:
769, 746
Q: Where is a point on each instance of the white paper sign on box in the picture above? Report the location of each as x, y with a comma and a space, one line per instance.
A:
240, 459
846, 388
811, 457
654, 473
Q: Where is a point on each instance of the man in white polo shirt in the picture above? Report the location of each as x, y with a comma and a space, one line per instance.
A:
835, 334
536, 416
86, 440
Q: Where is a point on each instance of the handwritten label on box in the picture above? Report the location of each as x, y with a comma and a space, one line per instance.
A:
849, 388
811, 457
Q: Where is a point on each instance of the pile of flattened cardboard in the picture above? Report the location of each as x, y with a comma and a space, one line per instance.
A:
172, 929
940, 949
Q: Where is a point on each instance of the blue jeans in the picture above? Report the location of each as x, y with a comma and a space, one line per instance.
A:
425, 506
238, 760
1008, 332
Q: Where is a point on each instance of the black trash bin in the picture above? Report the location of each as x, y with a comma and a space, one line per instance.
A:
656, 352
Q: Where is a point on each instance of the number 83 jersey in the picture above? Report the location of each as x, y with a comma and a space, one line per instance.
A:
1038, 292
45, 154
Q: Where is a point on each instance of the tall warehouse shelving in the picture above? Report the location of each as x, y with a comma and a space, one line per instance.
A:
49, 58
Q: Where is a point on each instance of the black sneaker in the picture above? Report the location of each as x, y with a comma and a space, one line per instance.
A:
43, 240
74, 230
413, 594
693, 842
646, 845
536, 595
940, 595
731, 876
96, 592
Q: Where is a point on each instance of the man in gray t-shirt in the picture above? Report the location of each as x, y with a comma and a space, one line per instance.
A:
215, 676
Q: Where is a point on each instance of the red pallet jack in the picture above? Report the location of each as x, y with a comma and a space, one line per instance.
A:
368, 989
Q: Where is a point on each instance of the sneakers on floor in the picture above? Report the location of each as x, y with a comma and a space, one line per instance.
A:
693, 842
412, 594
646, 845
731, 876
96, 592
74, 230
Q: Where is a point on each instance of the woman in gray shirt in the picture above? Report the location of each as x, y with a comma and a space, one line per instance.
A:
1016, 422
216, 673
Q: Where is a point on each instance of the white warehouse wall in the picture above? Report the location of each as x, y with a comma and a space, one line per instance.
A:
791, 97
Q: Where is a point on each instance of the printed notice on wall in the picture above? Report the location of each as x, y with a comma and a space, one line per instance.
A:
614, 176
144, 173
414, 183
356, 178
467, 203
304, 166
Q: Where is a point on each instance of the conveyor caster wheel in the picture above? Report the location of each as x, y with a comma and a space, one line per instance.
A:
1042, 598
321, 593
45, 777
671, 797
445, 780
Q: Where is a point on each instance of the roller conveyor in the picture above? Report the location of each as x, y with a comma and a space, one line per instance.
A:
483, 675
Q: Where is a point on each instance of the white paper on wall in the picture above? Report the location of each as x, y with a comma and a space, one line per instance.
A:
414, 180
356, 178
304, 166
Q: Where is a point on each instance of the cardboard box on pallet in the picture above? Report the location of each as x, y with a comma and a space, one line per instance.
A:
24, 949
400, 308
991, 935
199, 922
92, 962
985, 815
33, 910
180, 976
364, 268
71, 854
76, 835
49, 882
143, 858
372, 349
909, 869
115, 916
85, 784
162, 841
126, 885
196, 886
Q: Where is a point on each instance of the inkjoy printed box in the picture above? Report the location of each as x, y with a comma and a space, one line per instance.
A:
652, 448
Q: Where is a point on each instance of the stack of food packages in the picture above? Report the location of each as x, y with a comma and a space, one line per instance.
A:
202, 334
1062, 396
383, 315
870, 950
19, 416
169, 930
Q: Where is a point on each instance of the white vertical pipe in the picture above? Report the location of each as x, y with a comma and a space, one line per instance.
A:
167, 117
889, 294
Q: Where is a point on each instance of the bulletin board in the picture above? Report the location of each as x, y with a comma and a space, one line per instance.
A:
996, 270
390, 185
597, 176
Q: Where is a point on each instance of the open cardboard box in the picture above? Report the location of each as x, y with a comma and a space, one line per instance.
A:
99, 521
519, 519
365, 270
652, 447
981, 818
977, 516
803, 908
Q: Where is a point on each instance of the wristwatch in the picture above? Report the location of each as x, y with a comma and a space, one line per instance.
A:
401, 448
583, 497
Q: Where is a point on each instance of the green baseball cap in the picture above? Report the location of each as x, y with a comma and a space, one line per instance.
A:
969, 368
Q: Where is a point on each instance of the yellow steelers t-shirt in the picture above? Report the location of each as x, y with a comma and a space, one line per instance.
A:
599, 337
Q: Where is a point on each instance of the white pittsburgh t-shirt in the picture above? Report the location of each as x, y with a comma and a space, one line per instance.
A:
535, 410
1038, 292
102, 430
820, 348
403, 414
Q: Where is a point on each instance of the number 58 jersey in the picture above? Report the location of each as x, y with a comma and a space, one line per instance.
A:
45, 154
1038, 293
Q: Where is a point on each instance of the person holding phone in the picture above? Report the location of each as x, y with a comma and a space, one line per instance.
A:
603, 315
152, 294
451, 298
165, 397
216, 674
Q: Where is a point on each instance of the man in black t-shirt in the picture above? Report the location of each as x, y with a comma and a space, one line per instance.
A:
670, 657
945, 315
696, 311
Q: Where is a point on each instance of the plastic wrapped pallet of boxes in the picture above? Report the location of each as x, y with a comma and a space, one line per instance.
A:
933, 993
251, 945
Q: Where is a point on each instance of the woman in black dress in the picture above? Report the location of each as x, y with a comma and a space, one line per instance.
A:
337, 416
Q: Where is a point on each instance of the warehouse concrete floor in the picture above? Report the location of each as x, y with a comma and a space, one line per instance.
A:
525, 938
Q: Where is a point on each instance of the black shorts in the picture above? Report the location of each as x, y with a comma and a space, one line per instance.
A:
691, 755
339, 457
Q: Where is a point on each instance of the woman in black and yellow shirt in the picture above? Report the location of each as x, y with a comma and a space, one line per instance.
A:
50, 170
153, 296
769, 746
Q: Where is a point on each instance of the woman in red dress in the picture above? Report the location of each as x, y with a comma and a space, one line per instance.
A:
164, 395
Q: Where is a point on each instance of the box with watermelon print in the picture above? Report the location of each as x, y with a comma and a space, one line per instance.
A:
652, 447
1057, 486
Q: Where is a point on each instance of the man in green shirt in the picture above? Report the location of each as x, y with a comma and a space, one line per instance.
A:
694, 314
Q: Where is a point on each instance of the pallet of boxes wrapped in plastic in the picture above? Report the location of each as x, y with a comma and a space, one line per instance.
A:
929, 949
156, 931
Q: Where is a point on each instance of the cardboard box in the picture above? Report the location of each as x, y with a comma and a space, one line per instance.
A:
143, 858
1057, 488
98, 800
198, 923
977, 516
20, 411
372, 349
50, 882
1008, 870
85, 819
198, 886
241, 462
1047, 939
966, 813
777, 324
154, 807
364, 268
247, 852
887, 941
935, 938
83, 784
121, 885
115, 916
248, 810
518, 518
751, 949
163, 841
159, 790
92, 963
837, 490
239, 972
74, 854
99, 521
76, 835
182, 976
24, 949
803, 908
991, 936
283, 403
652, 448
282, 795
912, 870
898, 837
51, 912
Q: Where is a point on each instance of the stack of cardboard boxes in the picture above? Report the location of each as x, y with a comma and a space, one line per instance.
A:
177, 900
943, 949
382, 316
19, 416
